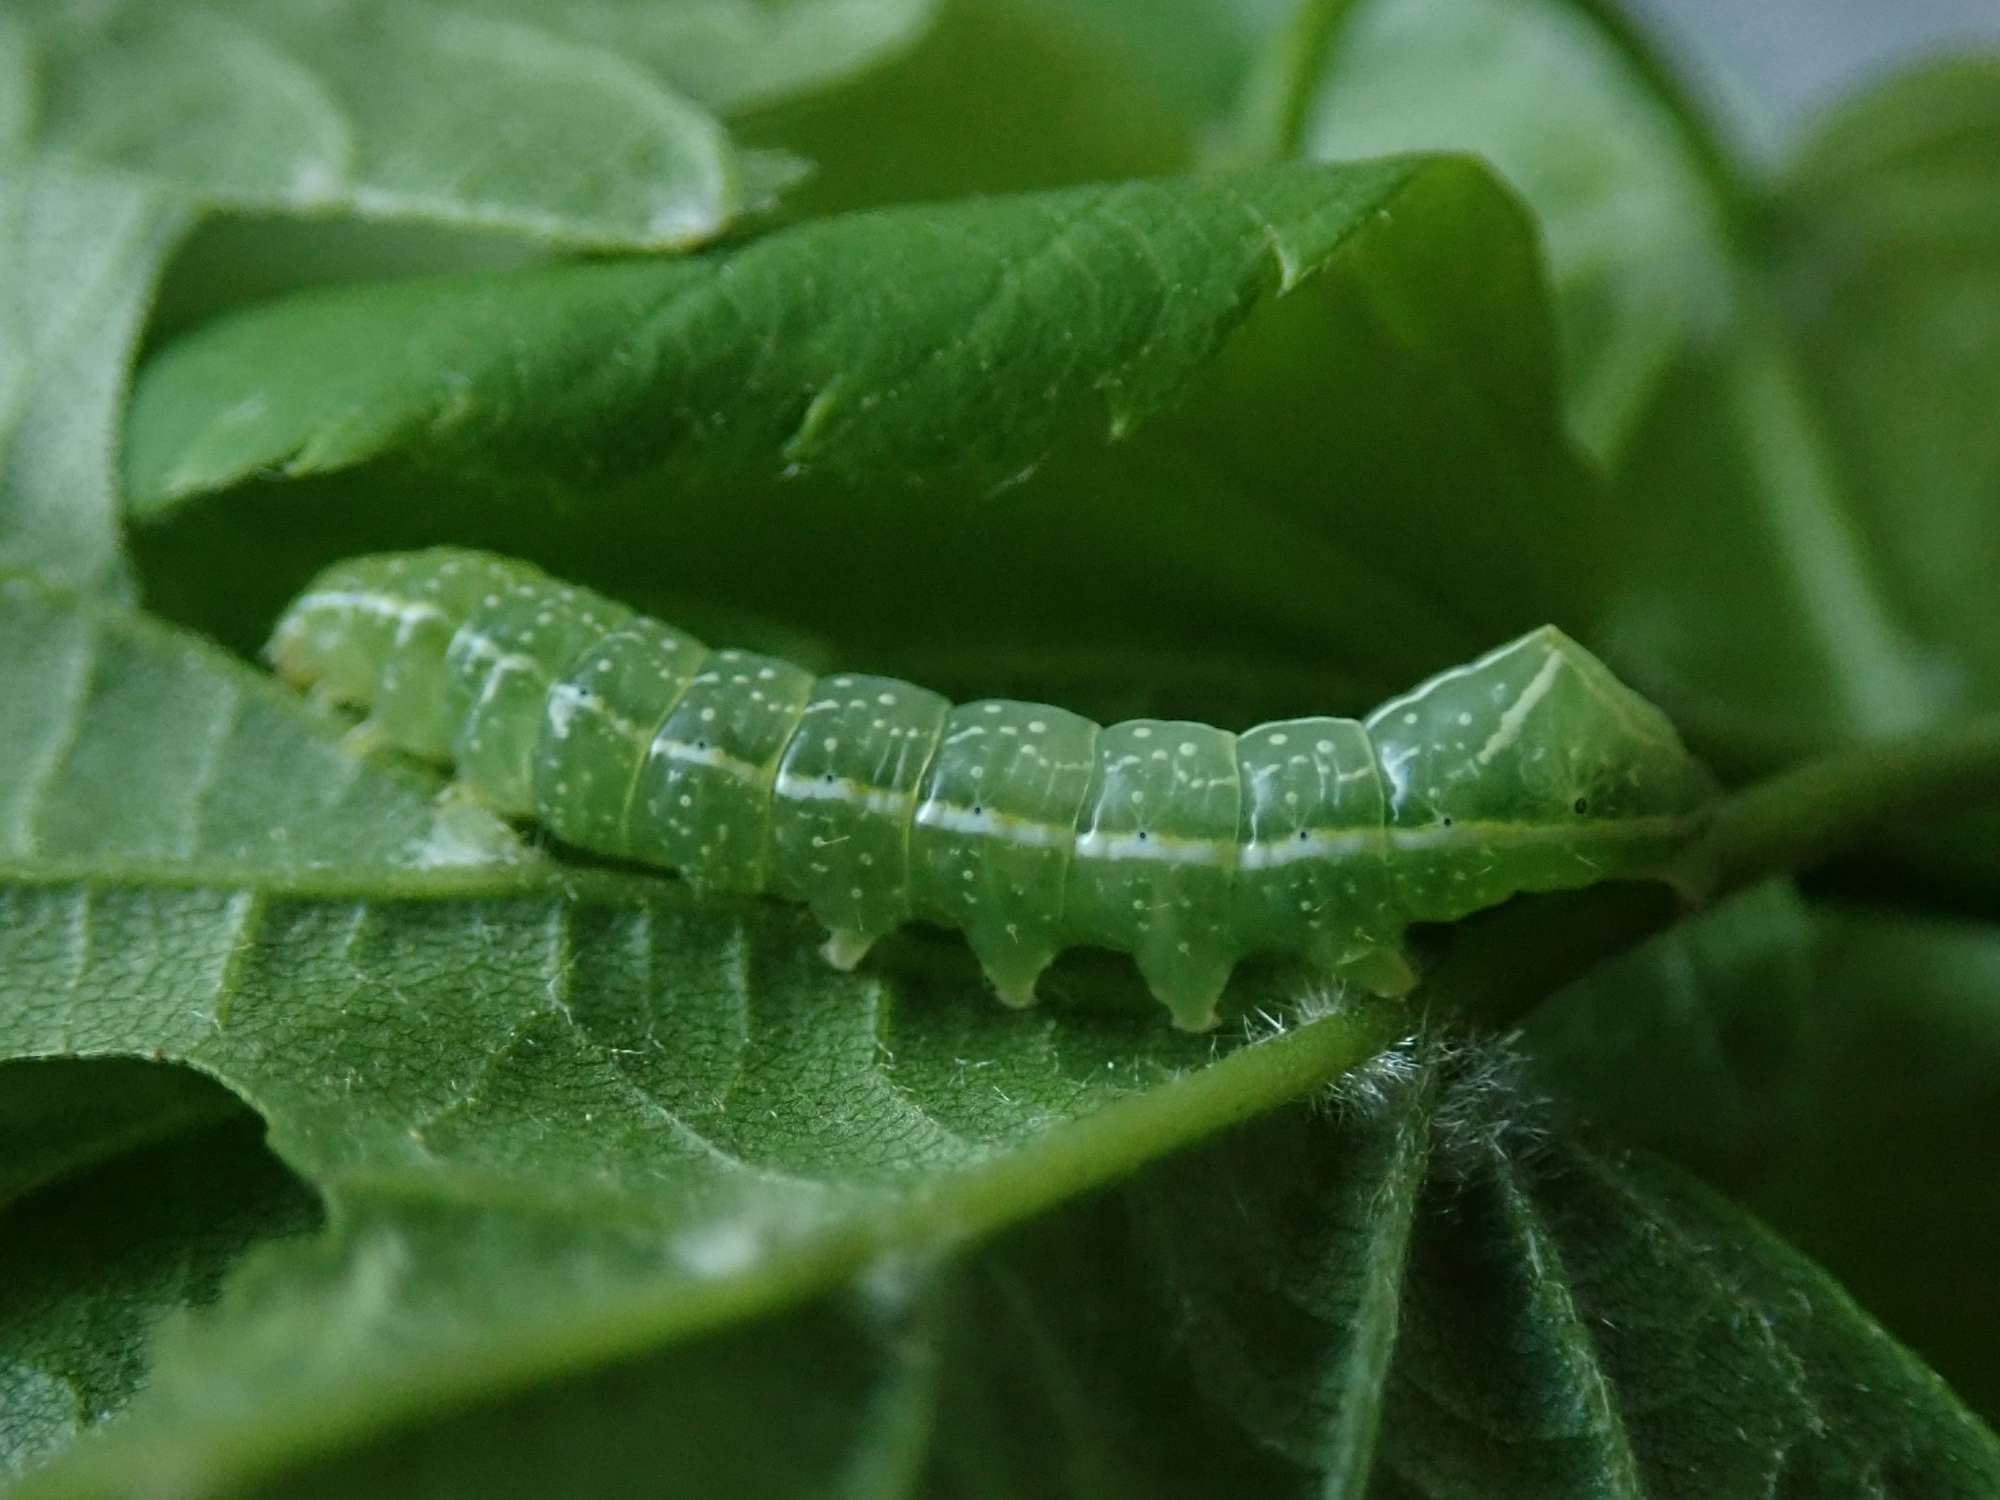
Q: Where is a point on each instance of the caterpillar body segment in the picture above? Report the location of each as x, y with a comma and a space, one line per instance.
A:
1029, 828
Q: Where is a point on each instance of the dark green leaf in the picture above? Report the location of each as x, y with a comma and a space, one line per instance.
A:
1834, 1073
1339, 426
93, 1264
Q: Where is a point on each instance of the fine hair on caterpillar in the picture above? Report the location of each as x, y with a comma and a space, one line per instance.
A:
1028, 827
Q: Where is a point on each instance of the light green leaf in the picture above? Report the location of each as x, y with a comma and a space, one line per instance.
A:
928, 393
127, 742
476, 116
1637, 241
80, 252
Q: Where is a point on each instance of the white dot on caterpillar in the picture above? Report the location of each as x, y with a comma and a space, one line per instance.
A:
1325, 747
686, 800
1038, 726
1409, 718
854, 894
1464, 719
887, 700
707, 715
1187, 747
1142, 733
1278, 739
765, 674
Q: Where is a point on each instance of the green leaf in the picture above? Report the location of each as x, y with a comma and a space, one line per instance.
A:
1637, 238
474, 116
80, 252
927, 394
1755, 611
127, 743
1891, 244
1838, 447
1829, 1069
1486, 1307
1752, 606
1010, 95
661, 1115
591, 1148
61, 1119
165, 1182
1411, 1293
1689, 1042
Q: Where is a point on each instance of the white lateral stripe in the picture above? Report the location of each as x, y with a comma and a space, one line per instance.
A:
842, 789
1516, 713
566, 701
1157, 848
407, 611
1518, 835
708, 755
1277, 853
991, 825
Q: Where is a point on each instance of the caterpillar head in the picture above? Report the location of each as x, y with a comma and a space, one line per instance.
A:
1532, 768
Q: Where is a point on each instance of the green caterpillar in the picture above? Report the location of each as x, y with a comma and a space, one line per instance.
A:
1030, 828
